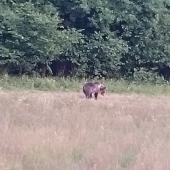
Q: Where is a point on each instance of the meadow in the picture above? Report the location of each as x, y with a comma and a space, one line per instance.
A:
48, 124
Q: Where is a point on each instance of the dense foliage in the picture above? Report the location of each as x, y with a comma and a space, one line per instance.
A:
85, 38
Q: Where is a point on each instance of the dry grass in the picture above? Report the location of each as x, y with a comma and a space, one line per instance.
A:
65, 131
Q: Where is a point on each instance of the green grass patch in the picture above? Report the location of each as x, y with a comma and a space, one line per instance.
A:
128, 158
67, 84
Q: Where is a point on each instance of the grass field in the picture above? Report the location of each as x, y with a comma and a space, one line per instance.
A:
64, 131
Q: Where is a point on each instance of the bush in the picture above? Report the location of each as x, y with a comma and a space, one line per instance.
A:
144, 75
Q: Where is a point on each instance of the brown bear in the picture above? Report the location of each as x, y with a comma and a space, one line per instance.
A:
91, 88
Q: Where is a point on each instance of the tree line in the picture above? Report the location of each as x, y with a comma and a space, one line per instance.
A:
85, 38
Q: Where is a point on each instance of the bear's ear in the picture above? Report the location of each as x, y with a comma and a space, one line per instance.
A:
102, 87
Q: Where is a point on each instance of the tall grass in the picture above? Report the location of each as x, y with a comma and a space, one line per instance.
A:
65, 131
67, 84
